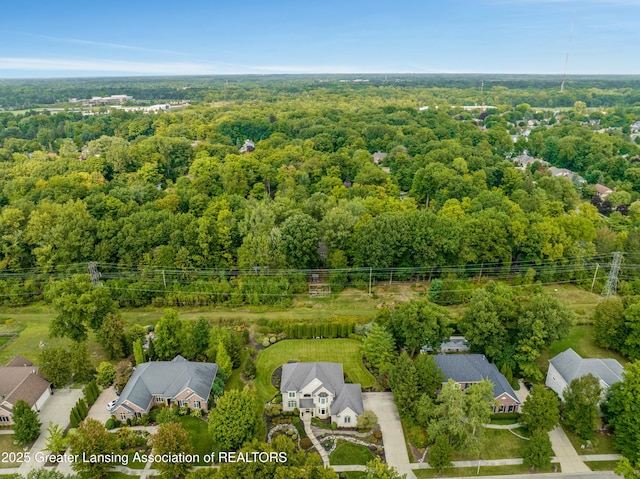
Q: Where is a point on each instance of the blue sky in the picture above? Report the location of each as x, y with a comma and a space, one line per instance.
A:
140, 37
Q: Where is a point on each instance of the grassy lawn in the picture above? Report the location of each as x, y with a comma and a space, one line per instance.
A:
7, 445
349, 453
345, 351
201, 441
32, 323
342, 475
117, 475
350, 302
604, 441
497, 444
581, 301
484, 471
602, 465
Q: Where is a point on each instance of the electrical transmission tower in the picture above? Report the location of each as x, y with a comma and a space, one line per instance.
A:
95, 274
611, 286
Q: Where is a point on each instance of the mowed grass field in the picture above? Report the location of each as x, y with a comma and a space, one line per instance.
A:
345, 351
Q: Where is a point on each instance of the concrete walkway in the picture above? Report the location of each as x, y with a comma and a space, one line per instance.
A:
566, 455
306, 421
395, 447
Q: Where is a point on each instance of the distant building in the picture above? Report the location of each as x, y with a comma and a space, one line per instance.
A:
378, 157
109, 100
248, 146
524, 160
569, 365
20, 380
456, 344
603, 191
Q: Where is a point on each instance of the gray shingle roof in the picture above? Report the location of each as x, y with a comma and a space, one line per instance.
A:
350, 396
571, 365
472, 368
168, 379
295, 376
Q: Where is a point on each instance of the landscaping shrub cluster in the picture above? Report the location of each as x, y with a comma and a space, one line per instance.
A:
78, 413
91, 393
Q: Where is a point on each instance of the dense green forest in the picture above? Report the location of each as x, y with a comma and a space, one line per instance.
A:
174, 209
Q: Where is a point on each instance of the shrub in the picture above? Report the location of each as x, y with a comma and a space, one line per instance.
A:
273, 410
112, 423
334, 425
377, 434
196, 413
305, 443
418, 436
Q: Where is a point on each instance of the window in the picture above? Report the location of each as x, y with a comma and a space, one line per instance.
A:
323, 400
323, 411
292, 404
347, 419
159, 399
511, 408
182, 403
138, 415
4, 419
196, 404
501, 408
123, 416
292, 394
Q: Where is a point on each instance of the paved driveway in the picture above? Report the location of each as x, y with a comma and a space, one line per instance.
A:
395, 448
55, 410
99, 409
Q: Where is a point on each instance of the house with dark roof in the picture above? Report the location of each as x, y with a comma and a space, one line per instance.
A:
20, 380
318, 390
164, 383
468, 369
569, 365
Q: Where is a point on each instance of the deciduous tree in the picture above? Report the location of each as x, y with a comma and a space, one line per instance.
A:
92, 439
172, 439
541, 410
233, 421
581, 412
26, 426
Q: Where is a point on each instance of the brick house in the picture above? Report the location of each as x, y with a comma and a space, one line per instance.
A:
164, 383
468, 369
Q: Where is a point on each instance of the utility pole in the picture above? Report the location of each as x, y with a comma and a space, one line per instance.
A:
611, 286
370, 277
594, 276
94, 273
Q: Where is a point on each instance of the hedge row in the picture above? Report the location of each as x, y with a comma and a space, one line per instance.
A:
320, 330
78, 413
91, 393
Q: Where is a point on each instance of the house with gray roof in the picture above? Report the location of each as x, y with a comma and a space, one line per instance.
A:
569, 365
468, 369
164, 383
20, 380
318, 389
